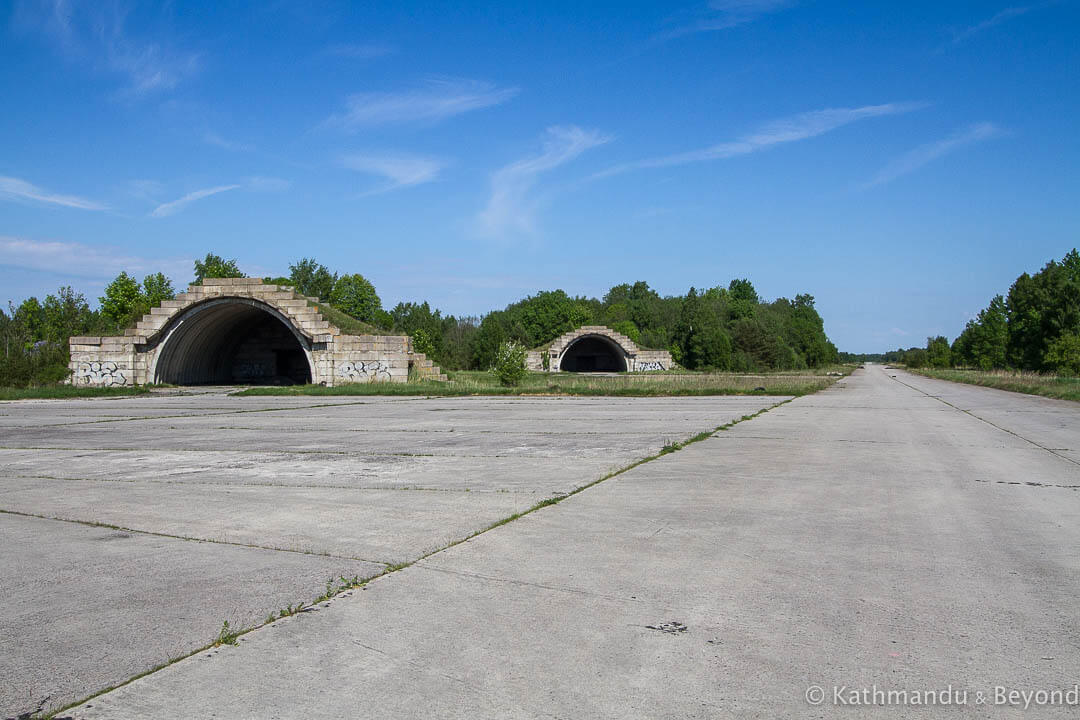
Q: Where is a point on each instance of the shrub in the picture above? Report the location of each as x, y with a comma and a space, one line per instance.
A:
510, 363
1063, 355
355, 295
627, 328
215, 266
421, 342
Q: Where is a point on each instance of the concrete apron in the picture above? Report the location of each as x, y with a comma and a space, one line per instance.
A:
276, 495
867, 537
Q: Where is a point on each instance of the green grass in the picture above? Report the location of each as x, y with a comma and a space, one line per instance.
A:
59, 392
1063, 388
345, 322
625, 385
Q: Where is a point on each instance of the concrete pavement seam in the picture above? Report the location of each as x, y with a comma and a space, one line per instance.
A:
981, 419
109, 526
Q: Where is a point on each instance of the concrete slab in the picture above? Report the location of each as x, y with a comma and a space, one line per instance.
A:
388, 526
813, 559
311, 469
361, 479
1053, 422
89, 607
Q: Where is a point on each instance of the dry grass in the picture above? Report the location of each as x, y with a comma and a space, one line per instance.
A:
619, 385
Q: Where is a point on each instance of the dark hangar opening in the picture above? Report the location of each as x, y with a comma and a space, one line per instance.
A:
593, 353
228, 342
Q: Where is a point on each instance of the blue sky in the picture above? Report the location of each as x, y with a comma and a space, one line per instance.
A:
902, 162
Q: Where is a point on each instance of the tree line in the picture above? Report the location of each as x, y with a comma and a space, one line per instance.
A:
721, 328
1035, 327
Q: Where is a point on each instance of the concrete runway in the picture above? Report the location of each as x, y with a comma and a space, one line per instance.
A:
232, 508
892, 534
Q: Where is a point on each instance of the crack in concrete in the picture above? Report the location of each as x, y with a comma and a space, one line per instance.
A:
1029, 483
522, 583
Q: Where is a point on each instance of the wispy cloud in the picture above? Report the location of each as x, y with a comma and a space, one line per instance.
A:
256, 183
996, 19
435, 100
399, 170
12, 188
722, 15
510, 207
212, 138
95, 33
916, 158
359, 51
81, 260
798, 127
171, 208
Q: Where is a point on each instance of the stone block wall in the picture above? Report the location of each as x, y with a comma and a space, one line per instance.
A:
334, 357
637, 359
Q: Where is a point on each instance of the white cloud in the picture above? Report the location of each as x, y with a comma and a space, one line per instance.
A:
436, 100
256, 183
399, 170
212, 138
996, 19
798, 127
80, 260
510, 207
171, 208
12, 188
149, 67
923, 154
724, 14
94, 33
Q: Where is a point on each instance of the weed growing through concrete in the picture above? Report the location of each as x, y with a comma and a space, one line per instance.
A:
227, 636
289, 610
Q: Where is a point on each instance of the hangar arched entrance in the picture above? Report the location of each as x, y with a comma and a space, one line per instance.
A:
593, 353
233, 340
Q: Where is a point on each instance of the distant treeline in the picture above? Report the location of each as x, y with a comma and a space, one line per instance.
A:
721, 328
1036, 327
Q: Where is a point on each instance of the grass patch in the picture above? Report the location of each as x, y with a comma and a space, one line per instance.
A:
60, 392
345, 322
1053, 386
472, 382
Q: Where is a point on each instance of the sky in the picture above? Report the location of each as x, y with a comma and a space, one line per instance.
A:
901, 162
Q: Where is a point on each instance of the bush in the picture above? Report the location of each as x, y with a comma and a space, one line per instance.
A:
510, 363
42, 364
215, 266
1063, 355
355, 295
627, 328
421, 343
